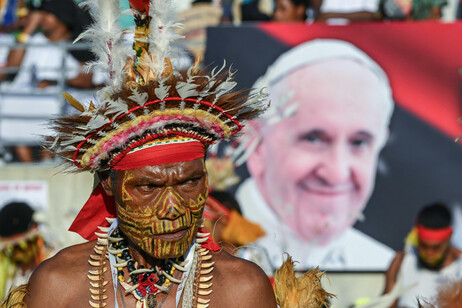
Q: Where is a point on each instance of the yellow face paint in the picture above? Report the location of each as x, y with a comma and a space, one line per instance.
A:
125, 194
432, 261
164, 223
146, 227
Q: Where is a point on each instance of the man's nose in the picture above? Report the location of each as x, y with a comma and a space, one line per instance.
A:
171, 206
335, 167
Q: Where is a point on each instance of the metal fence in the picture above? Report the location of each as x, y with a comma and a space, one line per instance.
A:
12, 122
14, 117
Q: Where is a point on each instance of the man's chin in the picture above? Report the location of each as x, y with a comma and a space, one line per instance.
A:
432, 266
167, 256
320, 238
172, 249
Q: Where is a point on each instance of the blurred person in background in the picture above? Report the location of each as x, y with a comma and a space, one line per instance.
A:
22, 247
412, 9
291, 10
196, 19
58, 20
313, 156
428, 261
50, 21
341, 11
252, 10
12, 14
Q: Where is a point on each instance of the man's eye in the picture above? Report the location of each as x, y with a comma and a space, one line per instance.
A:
315, 136
192, 180
147, 187
360, 142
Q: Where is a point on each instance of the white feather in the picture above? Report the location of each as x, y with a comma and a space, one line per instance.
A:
254, 101
70, 148
186, 89
213, 77
97, 121
163, 23
55, 142
163, 89
74, 139
104, 35
138, 97
117, 107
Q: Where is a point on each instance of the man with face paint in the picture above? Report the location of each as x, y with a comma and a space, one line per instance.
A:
313, 156
430, 262
146, 137
22, 246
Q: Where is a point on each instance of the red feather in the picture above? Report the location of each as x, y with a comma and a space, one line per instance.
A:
140, 5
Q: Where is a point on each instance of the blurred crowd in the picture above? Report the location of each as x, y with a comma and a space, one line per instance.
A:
44, 24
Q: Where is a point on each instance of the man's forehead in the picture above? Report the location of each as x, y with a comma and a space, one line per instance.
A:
332, 118
334, 67
433, 243
335, 88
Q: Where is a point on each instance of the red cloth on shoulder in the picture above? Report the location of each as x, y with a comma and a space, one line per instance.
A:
94, 213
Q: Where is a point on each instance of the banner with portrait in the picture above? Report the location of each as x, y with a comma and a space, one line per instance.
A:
420, 162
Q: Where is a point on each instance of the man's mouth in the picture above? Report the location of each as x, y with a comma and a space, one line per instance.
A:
326, 190
171, 236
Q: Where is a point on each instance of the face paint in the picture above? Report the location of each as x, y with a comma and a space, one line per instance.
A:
143, 227
432, 254
23, 252
164, 221
433, 263
125, 194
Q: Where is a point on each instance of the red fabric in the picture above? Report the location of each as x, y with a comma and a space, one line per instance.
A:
271, 279
139, 5
94, 213
420, 59
433, 235
209, 244
161, 155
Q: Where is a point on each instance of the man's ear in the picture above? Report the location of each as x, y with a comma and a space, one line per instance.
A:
106, 182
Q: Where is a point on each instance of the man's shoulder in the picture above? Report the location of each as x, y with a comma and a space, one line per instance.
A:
238, 278
70, 259
57, 279
227, 264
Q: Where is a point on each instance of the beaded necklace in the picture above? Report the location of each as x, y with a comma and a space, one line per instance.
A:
147, 283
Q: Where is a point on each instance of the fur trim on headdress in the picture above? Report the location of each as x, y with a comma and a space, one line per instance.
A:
15, 297
305, 291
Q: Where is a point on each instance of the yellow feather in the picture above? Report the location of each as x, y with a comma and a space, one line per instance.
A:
168, 71
73, 102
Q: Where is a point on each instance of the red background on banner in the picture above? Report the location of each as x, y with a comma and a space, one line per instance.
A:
428, 85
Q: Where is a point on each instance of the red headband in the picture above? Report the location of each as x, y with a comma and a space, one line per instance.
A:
434, 235
161, 154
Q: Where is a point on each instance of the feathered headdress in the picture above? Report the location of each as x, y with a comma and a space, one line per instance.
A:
147, 98
146, 101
